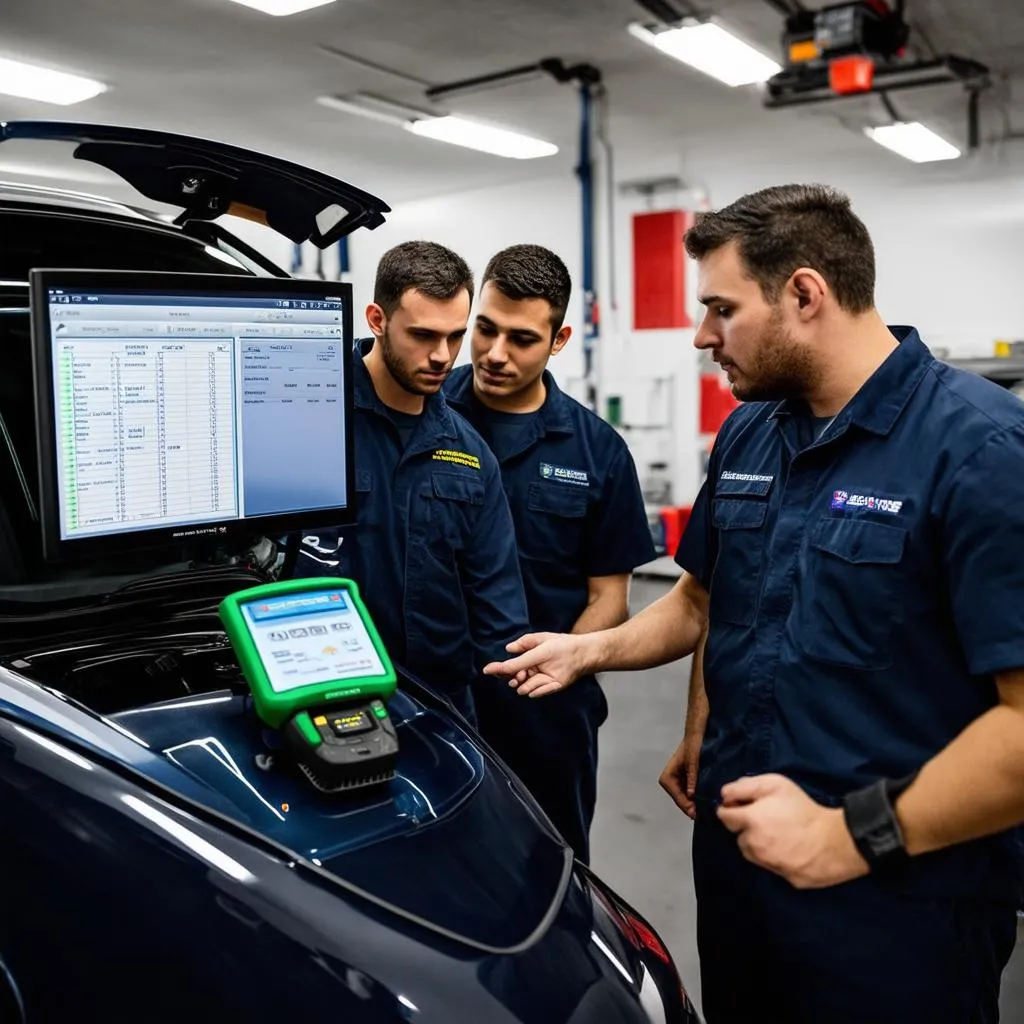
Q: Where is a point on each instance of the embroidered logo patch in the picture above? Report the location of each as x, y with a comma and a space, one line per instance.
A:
457, 458
755, 478
564, 475
845, 501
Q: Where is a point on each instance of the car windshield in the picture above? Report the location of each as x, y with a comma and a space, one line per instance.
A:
57, 238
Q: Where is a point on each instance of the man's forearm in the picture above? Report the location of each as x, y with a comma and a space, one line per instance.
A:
973, 788
697, 698
604, 611
601, 614
665, 631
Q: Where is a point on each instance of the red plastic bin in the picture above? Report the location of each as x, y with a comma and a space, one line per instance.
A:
673, 521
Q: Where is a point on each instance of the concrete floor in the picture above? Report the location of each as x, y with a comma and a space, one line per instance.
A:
641, 842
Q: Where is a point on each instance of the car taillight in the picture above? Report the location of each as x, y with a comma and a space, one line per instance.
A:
639, 934
643, 938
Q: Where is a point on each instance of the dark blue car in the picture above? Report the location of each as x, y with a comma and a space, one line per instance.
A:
153, 865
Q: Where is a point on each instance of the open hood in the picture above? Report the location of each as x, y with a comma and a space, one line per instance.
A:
206, 180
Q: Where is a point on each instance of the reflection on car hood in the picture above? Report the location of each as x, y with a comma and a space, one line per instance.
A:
485, 869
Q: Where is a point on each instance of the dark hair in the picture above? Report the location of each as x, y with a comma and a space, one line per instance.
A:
425, 266
780, 229
532, 272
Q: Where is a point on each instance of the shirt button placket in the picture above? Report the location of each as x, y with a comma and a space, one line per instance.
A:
795, 509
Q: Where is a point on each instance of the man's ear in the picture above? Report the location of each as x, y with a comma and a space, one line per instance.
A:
809, 289
376, 320
561, 338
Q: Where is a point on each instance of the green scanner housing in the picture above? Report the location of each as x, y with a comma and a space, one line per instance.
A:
319, 672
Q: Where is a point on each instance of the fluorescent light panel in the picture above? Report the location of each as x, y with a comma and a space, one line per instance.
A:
35, 83
709, 48
913, 141
484, 137
442, 128
372, 108
282, 8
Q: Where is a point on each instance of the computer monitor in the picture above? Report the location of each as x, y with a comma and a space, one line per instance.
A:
178, 409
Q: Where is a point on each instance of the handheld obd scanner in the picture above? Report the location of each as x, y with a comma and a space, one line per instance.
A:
319, 673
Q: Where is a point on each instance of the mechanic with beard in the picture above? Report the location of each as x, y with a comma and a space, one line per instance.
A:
856, 555
580, 522
433, 546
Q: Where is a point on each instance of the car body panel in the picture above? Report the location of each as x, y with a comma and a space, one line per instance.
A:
207, 179
106, 851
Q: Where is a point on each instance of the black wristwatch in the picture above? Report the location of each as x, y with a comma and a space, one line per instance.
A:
871, 818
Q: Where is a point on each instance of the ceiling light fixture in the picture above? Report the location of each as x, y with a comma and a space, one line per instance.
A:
31, 82
282, 8
374, 108
484, 137
457, 131
913, 141
709, 48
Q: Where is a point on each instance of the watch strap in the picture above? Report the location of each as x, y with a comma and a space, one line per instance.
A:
871, 818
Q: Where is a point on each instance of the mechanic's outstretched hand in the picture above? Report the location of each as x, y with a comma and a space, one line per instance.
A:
546, 662
780, 828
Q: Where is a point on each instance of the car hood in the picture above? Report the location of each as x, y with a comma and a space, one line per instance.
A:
205, 179
451, 843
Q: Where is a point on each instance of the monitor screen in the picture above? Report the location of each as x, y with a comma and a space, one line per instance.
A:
177, 407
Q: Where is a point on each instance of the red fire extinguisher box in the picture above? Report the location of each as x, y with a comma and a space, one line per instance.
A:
716, 402
659, 270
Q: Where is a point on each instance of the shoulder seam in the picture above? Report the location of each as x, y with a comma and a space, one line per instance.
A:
933, 369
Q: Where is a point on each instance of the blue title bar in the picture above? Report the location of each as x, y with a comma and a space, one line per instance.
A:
300, 604
281, 300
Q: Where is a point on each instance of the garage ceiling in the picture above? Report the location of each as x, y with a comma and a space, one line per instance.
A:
217, 69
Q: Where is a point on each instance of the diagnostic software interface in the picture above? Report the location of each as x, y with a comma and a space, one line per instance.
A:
177, 409
309, 638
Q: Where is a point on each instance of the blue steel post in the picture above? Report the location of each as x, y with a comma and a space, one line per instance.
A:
590, 309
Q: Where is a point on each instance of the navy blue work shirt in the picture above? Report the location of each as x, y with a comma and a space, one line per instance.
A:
864, 589
433, 546
575, 499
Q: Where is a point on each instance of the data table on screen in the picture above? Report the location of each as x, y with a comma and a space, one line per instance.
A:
147, 431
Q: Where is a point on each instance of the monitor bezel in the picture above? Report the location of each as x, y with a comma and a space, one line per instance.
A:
233, 534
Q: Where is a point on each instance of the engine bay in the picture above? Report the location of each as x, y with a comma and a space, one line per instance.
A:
120, 674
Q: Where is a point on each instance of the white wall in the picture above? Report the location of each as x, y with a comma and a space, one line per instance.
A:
948, 242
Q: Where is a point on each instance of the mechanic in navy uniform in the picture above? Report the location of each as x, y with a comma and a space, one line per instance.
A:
433, 546
857, 555
579, 519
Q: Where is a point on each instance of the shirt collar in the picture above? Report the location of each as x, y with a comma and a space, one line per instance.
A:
437, 417
554, 413
878, 404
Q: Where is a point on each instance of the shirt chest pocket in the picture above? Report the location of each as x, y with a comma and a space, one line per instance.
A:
848, 603
736, 580
453, 506
553, 530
